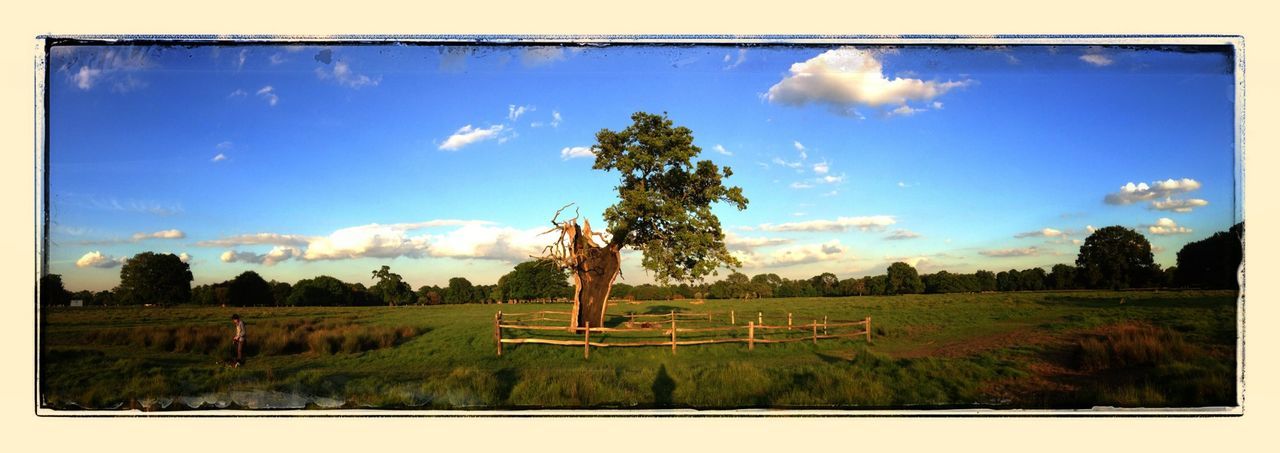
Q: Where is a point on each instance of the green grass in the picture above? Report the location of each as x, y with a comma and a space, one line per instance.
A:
1042, 350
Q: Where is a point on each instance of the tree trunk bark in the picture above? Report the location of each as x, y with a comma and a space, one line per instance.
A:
593, 276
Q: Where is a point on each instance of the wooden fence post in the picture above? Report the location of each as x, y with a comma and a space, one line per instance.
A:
673, 331
815, 331
732, 321
586, 341
759, 318
751, 336
497, 330
788, 320
868, 325
824, 325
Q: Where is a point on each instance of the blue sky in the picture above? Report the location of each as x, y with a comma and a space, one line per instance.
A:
297, 161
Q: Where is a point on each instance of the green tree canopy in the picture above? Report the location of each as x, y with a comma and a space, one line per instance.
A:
533, 280
903, 279
323, 291
154, 278
664, 207
1213, 261
1116, 257
52, 292
249, 289
391, 288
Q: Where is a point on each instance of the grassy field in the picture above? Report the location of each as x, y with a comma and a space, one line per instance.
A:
1015, 350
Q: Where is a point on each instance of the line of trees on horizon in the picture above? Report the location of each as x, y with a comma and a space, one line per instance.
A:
1111, 258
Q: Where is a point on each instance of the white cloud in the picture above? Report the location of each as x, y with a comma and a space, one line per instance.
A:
905, 110
219, 158
1132, 193
1096, 59
779, 161
937, 105
821, 168
541, 55
1166, 226
900, 234
576, 152
256, 239
1009, 253
238, 93
809, 253
98, 260
720, 149
800, 148
1045, 232
903, 184
184, 257
343, 75
742, 57
269, 93
847, 77
468, 135
862, 223
555, 118
736, 242
832, 179
277, 58
801, 185
271, 258
514, 111
1090, 229
164, 234
240, 62
86, 77
1178, 205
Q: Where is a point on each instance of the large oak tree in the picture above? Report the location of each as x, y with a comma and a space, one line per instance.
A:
663, 211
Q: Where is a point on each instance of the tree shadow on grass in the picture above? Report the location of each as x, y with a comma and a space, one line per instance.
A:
663, 387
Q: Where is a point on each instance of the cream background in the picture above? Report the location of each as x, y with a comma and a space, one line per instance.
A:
23, 22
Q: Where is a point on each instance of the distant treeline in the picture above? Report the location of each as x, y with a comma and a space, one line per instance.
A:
1111, 258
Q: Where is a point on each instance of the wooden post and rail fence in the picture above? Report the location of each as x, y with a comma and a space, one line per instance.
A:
517, 322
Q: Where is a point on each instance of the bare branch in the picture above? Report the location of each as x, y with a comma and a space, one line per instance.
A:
553, 218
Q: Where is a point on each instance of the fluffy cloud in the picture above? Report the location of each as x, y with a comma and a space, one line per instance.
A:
905, 110
86, 69
468, 135
1096, 59
720, 149
900, 234
541, 55
821, 168
779, 161
257, 239
1009, 253
576, 152
1045, 233
98, 260
343, 75
809, 253
731, 63
219, 158
165, 234
1178, 205
847, 77
86, 77
800, 149
862, 223
1131, 193
269, 94
1166, 226
515, 111
735, 242
184, 257
271, 258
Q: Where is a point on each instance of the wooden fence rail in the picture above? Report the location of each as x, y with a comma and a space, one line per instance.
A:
673, 330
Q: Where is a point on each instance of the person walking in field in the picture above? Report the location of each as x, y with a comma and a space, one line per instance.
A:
238, 339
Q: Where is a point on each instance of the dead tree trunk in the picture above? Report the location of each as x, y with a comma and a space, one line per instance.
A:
594, 268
